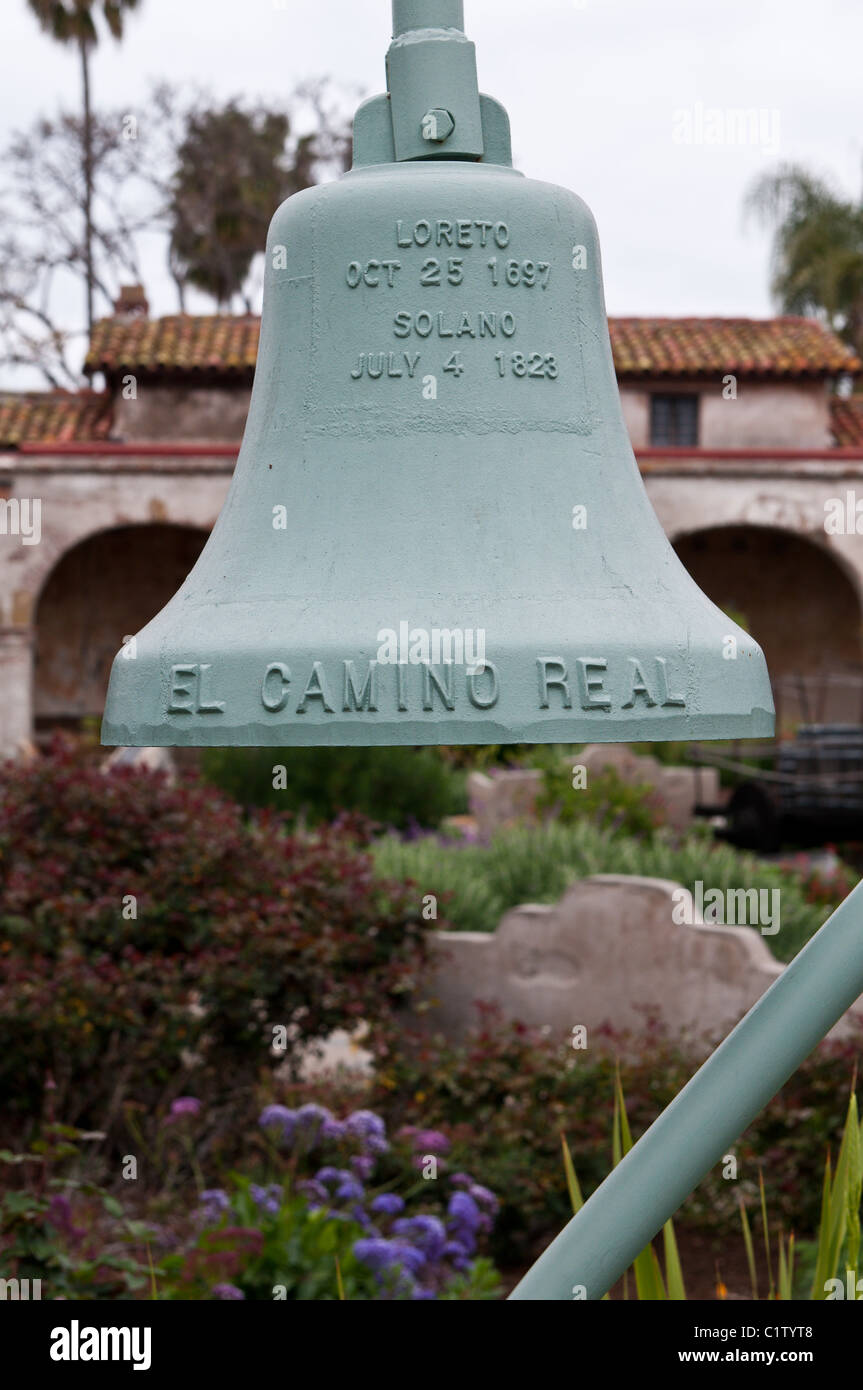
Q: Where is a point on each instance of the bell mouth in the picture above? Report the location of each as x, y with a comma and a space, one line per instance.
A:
430, 686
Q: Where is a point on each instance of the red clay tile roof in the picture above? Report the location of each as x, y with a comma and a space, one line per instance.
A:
847, 421
782, 347
221, 343
53, 416
769, 348
225, 344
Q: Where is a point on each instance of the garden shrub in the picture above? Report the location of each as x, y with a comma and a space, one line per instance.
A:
607, 801
494, 1107
508, 1093
320, 1223
147, 929
395, 787
76, 1242
327, 1202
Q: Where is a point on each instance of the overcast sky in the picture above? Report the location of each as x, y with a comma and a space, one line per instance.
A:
604, 97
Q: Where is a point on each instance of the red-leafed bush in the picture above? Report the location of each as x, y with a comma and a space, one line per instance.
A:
148, 929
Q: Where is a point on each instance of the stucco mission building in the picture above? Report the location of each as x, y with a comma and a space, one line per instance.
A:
747, 434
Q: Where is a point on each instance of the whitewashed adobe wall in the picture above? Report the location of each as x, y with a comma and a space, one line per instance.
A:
609, 952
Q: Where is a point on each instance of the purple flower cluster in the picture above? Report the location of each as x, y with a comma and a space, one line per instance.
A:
369, 1129
466, 834
415, 1256
213, 1205
279, 1121
411, 1256
425, 1143
181, 1107
267, 1199
312, 1125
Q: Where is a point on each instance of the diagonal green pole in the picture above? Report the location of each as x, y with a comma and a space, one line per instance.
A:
709, 1114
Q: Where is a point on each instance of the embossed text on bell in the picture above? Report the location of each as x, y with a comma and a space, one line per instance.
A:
436, 532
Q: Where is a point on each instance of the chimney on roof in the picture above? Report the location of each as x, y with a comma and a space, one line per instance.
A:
131, 303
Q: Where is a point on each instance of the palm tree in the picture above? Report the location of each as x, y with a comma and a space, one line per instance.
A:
817, 248
73, 22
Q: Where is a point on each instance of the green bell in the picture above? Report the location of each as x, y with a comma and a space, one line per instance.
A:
437, 532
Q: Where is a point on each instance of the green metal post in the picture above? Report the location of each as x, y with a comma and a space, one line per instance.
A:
709, 1114
427, 14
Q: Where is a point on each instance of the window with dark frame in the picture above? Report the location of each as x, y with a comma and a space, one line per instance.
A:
674, 421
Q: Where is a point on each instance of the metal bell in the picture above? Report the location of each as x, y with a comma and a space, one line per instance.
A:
437, 532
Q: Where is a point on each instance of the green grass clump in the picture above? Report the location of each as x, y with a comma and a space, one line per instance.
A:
477, 883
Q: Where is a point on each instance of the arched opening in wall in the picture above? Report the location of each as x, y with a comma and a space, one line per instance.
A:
102, 590
798, 603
